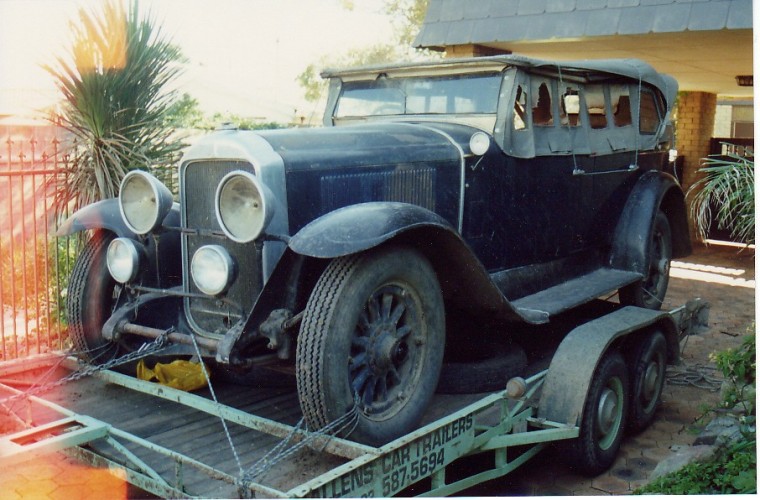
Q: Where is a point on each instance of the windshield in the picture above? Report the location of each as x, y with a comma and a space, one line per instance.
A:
460, 94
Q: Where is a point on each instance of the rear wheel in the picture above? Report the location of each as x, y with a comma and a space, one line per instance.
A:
92, 296
647, 380
650, 292
604, 418
372, 335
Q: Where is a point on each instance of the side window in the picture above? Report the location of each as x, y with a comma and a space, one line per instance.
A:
570, 107
542, 102
620, 100
649, 117
596, 106
521, 102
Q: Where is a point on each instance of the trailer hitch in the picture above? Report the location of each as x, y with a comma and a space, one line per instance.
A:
691, 317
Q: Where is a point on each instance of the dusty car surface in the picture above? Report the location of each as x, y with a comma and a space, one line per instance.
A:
494, 191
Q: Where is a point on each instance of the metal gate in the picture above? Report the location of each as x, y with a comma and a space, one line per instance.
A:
34, 264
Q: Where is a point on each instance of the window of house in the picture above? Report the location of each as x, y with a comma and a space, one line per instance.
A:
649, 116
620, 100
570, 107
541, 107
521, 104
595, 102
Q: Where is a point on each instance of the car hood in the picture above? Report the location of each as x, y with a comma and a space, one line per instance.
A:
363, 145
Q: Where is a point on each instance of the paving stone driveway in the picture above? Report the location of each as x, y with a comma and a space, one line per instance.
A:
721, 275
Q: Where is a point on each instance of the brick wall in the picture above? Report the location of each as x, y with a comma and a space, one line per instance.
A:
695, 119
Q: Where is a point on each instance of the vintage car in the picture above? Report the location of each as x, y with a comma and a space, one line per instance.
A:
498, 191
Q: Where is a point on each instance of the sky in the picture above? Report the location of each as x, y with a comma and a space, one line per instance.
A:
244, 55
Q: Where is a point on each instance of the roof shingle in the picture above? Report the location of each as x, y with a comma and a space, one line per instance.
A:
453, 22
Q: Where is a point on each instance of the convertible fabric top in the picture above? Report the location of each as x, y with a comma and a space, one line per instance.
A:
587, 69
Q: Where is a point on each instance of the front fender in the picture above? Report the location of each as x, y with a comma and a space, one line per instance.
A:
357, 228
105, 214
654, 191
465, 283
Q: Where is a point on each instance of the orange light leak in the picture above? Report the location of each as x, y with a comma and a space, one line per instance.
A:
99, 51
57, 476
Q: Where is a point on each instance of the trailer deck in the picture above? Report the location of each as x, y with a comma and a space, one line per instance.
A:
174, 443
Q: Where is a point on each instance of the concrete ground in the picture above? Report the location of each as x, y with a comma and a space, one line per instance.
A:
724, 276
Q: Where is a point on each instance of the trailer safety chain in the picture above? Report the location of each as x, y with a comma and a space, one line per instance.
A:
145, 350
281, 451
699, 376
216, 402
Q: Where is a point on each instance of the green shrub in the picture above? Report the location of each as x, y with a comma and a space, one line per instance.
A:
733, 470
728, 188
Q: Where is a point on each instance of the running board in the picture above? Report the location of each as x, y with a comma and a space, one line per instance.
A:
575, 292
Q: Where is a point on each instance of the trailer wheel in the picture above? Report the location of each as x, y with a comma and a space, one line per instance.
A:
372, 335
650, 292
647, 380
603, 420
92, 295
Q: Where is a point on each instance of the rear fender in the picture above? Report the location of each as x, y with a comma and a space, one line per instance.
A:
574, 363
654, 191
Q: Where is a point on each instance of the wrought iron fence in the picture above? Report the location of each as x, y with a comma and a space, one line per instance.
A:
34, 264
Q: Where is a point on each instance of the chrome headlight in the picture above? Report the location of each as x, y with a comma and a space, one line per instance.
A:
212, 269
244, 206
143, 201
123, 259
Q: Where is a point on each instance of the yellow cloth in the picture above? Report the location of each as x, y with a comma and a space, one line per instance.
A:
179, 374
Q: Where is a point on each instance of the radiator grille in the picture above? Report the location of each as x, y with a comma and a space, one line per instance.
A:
415, 186
199, 183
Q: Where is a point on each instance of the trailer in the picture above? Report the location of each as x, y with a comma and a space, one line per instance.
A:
231, 441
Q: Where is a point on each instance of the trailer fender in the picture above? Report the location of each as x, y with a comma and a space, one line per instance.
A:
105, 214
653, 192
574, 364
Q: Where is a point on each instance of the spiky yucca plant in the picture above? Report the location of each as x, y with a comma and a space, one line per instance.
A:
728, 190
114, 84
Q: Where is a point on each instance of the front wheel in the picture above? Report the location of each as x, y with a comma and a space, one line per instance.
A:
650, 292
604, 418
92, 296
372, 335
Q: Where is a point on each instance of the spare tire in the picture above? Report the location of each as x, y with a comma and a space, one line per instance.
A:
486, 369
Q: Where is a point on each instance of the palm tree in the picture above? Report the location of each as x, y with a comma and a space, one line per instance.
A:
114, 83
726, 194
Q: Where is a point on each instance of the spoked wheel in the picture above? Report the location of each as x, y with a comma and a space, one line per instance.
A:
372, 335
604, 418
648, 378
650, 292
92, 297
